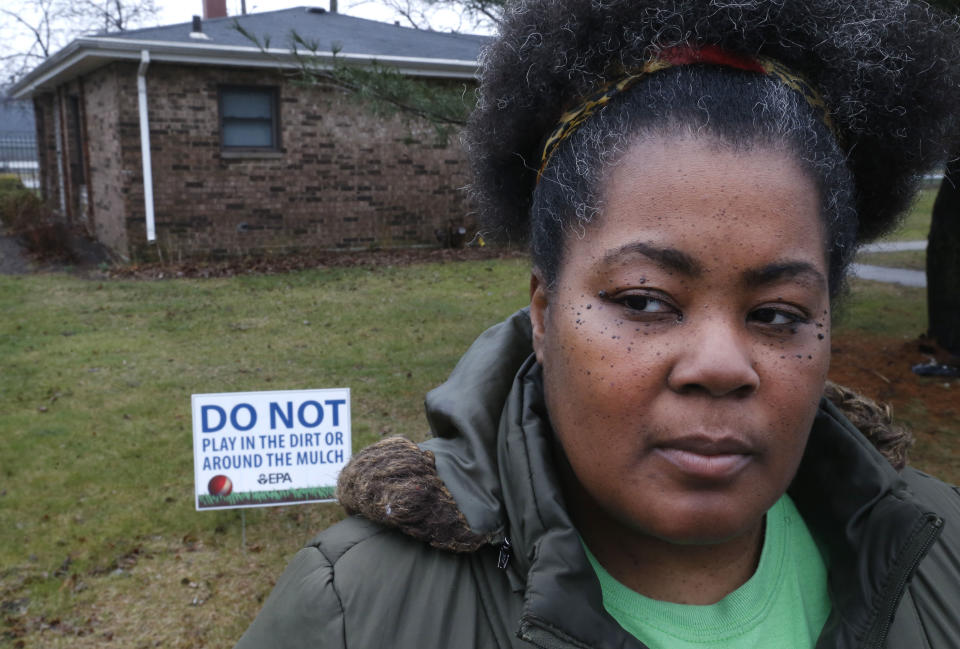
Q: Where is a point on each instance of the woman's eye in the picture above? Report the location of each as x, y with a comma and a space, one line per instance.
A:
771, 316
645, 304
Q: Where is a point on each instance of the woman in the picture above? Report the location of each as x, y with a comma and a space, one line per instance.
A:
645, 457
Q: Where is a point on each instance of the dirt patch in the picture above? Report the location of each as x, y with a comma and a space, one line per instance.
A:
78, 254
880, 368
176, 593
272, 265
13, 260
88, 258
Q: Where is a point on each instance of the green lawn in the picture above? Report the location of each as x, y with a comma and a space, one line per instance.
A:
99, 539
876, 308
916, 224
96, 452
909, 259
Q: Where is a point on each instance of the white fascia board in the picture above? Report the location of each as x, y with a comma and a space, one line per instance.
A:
86, 51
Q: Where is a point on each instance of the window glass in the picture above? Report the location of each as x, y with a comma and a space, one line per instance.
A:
247, 134
249, 104
248, 118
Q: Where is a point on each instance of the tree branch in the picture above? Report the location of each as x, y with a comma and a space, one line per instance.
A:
38, 37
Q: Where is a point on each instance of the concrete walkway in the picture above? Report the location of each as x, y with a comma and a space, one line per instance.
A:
902, 276
894, 246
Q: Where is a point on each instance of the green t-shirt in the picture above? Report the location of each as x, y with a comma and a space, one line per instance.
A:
784, 605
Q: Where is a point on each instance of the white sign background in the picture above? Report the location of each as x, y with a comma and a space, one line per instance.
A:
275, 441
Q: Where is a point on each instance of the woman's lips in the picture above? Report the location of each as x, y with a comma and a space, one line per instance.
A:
707, 458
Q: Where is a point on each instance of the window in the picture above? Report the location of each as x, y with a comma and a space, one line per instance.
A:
249, 119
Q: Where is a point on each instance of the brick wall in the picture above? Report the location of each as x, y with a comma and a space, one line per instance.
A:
92, 191
102, 90
345, 178
43, 109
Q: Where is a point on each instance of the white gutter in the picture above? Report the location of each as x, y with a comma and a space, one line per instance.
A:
145, 144
85, 52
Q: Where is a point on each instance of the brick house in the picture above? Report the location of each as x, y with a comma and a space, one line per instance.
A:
189, 140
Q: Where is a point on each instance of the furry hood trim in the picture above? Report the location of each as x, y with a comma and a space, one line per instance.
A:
395, 483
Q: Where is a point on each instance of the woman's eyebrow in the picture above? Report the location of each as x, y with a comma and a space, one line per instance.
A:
775, 272
670, 258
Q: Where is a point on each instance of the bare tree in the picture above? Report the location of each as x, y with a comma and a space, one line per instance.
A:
943, 248
414, 12
472, 14
488, 12
29, 35
943, 262
32, 30
112, 15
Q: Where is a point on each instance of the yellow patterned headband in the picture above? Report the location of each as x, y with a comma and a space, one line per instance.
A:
571, 120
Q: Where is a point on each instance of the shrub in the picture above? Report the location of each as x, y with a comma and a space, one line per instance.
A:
26, 216
18, 205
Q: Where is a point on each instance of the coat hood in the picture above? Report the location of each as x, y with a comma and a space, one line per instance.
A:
489, 474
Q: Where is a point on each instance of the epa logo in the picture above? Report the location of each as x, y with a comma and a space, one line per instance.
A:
274, 478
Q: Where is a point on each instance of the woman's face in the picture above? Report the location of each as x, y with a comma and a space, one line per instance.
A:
686, 341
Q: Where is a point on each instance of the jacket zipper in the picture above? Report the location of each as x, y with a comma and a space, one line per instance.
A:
919, 548
506, 551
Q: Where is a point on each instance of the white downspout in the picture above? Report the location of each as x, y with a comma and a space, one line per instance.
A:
58, 135
145, 144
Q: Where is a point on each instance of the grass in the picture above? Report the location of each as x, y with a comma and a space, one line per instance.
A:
909, 259
253, 498
916, 224
877, 308
100, 541
914, 227
96, 454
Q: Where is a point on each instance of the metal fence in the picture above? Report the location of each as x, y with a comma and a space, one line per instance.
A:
18, 156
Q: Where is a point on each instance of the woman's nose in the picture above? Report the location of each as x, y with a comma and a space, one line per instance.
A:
716, 359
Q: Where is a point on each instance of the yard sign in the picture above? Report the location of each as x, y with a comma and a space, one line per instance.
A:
258, 449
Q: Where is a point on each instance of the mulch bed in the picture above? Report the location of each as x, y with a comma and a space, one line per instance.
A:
880, 367
309, 260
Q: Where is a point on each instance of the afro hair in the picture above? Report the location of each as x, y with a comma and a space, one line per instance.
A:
886, 69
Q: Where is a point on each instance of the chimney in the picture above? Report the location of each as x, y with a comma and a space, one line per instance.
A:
333, 6
197, 29
214, 9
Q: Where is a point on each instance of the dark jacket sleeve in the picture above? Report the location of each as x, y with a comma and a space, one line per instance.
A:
304, 609
359, 585
933, 596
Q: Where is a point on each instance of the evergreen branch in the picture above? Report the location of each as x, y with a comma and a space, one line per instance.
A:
384, 89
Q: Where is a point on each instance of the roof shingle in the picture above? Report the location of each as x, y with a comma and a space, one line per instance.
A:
330, 31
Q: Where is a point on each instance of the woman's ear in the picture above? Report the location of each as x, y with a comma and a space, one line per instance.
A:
539, 302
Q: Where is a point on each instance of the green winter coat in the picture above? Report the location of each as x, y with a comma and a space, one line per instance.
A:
472, 545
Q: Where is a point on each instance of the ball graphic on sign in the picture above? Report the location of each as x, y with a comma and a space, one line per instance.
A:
219, 485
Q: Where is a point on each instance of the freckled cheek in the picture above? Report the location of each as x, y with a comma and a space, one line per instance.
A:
595, 395
793, 387
605, 352
807, 346
585, 349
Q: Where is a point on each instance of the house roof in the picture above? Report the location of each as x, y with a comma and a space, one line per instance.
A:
354, 40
